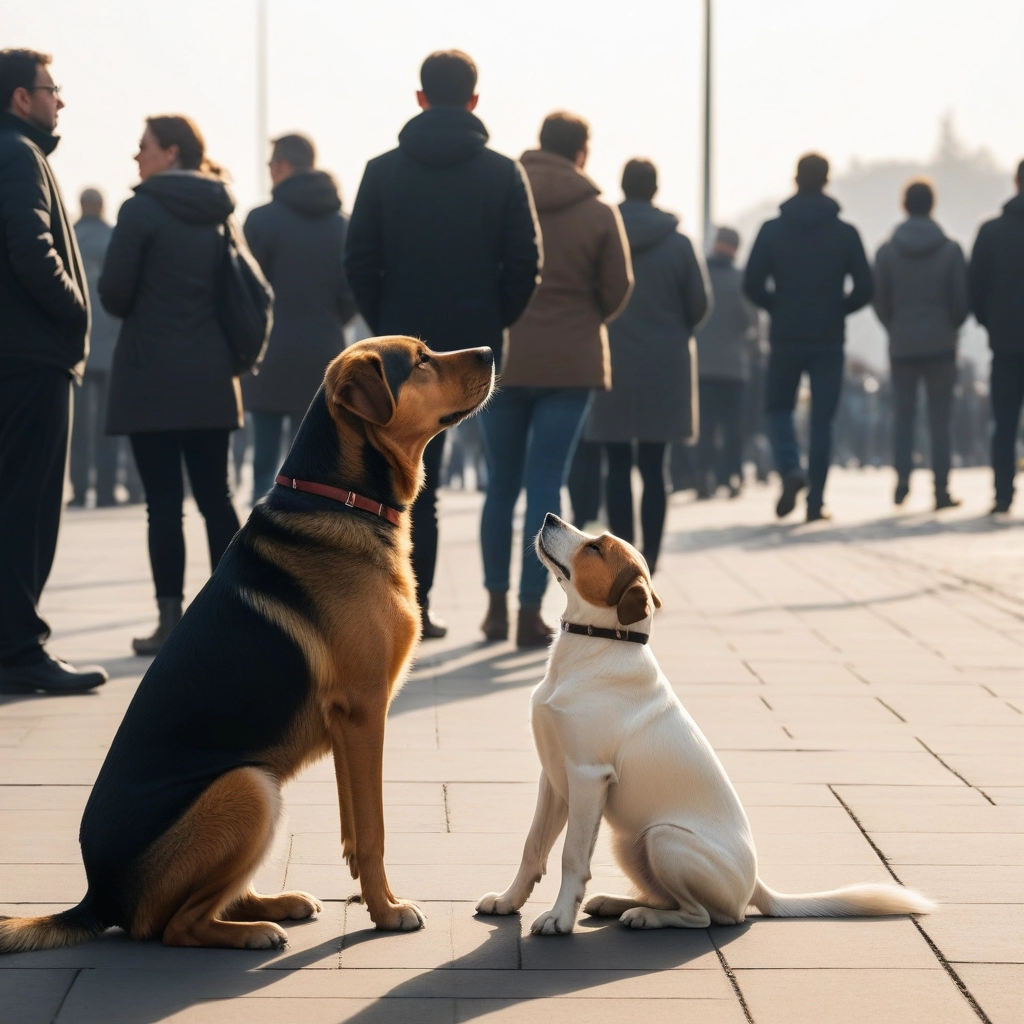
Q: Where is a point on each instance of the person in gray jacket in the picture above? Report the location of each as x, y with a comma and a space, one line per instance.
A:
921, 297
91, 449
299, 240
652, 400
724, 347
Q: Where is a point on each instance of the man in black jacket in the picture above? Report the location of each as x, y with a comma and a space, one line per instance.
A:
996, 281
443, 245
299, 240
44, 341
806, 254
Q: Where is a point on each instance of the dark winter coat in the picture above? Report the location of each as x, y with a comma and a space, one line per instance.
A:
172, 365
997, 278
807, 252
653, 357
44, 299
443, 244
921, 290
561, 341
727, 338
299, 240
93, 235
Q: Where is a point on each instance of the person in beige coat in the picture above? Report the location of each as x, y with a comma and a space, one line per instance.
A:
556, 356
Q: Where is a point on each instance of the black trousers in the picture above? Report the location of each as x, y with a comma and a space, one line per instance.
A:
91, 448
35, 410
585, 482
721, 409
939, 376
424, 521
650, 460
1006, 394
159, 456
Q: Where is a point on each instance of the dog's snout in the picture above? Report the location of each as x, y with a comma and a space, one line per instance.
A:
485, 355
550, 519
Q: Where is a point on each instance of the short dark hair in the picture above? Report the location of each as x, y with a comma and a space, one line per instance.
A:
297, 150
811, 172
18, 71
448, 78
564, 134
639, 179
728, 237
918, 197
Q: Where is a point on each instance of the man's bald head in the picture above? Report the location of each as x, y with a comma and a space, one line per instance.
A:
91, 201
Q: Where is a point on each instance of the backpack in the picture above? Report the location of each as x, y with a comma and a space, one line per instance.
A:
245, 305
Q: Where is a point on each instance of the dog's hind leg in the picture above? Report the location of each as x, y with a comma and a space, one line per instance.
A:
204, 862
286, 906
604, 904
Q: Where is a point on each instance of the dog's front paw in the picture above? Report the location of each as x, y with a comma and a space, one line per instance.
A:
300, 906
265, 935
497, 903
553, 922
402, 916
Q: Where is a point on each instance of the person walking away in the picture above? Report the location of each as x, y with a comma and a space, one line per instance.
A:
555, 357
442, 245
653, 361
921, 300
44, 343
91, 449
298, 239
726, 346
173, 390
996, 281
806, 254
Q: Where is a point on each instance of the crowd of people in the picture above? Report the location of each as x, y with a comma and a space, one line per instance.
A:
616, 340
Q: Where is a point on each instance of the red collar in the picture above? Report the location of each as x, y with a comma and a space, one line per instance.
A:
350, 498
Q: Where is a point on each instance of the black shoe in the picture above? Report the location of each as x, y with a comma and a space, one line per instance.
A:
945, 501
170, 615
433, 629
902, 490
50, 675
815, 513
999, 508
532, 630
495, 624
793, 483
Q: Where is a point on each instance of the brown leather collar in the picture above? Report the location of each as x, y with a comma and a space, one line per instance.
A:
350, 498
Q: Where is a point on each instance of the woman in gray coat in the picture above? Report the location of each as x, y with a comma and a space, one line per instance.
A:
654, 375
173, 390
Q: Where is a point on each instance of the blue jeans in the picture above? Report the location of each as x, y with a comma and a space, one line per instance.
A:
824, 367
529, 437
266, 456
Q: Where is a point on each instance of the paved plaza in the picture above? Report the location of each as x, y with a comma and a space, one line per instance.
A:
861, 680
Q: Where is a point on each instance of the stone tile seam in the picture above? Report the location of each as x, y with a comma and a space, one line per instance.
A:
955, 772
733, 982
64, 998
936, 952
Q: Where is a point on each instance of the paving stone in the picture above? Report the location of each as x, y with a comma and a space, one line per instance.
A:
979, 933
33, 997
999, 988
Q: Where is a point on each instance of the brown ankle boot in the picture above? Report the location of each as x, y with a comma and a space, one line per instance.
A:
495, 624
170, 616
532, 630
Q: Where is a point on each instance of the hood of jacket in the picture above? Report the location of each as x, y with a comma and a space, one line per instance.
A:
191, 196
555, 181
311, 193
1015, 205
645, 224
442, 136
809, 209
918, 236
45, 140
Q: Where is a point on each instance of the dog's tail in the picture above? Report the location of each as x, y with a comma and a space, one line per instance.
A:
870, 899
23, 934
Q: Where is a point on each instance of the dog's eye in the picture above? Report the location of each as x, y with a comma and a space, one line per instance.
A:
424, 359
594, 547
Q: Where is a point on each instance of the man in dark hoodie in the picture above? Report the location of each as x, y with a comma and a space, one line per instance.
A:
299, 240
921, 299
997, 301
44, 341
443, 245
797, 271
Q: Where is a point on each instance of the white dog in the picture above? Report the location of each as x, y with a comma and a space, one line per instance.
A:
615, 742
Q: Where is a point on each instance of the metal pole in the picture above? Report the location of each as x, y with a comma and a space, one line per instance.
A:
707, 126
262, 174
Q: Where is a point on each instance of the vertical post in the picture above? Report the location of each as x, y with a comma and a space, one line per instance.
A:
707, 126
262, 180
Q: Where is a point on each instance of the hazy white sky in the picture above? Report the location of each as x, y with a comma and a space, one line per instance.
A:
869, 79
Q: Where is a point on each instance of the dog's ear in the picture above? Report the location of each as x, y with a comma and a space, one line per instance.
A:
635, 602
362, 388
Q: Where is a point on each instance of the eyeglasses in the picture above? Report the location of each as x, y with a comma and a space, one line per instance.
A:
54, 89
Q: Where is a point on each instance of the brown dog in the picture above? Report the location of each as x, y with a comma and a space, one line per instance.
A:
293, 649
